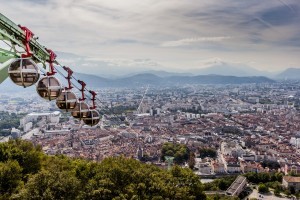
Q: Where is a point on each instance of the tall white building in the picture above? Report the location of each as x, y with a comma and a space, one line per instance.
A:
27, 126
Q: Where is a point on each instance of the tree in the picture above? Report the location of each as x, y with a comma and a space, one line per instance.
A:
188, 183
262, 188
292, 173
192, 161
292, 190
270, 164
60, 177
207, 152
28, 156
10, 177
223, 184
51, 185
277, 192
219, 184
180, 152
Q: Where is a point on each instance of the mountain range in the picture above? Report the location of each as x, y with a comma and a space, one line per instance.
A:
103, 74
224, 69
228, 69
290, 73
174, 80
115, 69
139, 80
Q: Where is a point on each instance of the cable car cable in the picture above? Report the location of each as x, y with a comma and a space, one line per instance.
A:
60, 73
86, 89
115, 115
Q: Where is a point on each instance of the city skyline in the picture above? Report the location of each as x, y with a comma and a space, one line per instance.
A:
167, 36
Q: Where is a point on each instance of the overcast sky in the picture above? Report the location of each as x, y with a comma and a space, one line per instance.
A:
166, 34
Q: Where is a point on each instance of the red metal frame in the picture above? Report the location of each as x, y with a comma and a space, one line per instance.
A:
51, 61
82, 90
28, 36
69, 77
93, 99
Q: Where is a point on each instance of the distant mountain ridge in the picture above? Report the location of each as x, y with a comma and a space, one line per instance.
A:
151, 79
138, 80
115, 69
228, 69
290, 73
160, 73
94, 81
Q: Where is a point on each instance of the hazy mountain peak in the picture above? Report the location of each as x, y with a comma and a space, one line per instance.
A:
290, 73
220, 67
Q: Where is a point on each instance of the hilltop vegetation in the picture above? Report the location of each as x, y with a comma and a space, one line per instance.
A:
27, 173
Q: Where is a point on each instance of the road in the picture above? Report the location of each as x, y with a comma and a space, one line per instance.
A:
29, 134
26, 136
269, 196
4, 139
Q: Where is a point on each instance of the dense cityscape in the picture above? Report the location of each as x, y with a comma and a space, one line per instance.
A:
243, 128
140, 100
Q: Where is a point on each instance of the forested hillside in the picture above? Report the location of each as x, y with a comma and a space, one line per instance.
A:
27, 173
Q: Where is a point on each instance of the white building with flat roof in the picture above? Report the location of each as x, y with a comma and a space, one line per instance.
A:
52, 118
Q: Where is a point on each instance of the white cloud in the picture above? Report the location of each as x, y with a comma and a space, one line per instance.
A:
132, 63
188, 41
92, 28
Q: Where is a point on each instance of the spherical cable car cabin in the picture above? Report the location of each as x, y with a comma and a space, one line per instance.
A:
24, 72
67, 100
80, 111
93, 118
49, 87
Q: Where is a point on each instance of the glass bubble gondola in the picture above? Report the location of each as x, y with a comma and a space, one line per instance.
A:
49, 88
66, 101
92, 118
80, 111
24, 72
